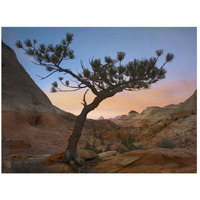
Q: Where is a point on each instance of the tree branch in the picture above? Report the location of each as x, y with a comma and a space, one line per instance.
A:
42, 78
84, 99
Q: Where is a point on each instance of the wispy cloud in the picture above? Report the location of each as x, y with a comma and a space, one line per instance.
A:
162, 94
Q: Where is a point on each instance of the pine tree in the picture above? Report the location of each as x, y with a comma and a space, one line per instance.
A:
103, 78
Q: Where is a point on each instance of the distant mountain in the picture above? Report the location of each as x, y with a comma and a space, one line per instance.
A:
187, 107
101, 118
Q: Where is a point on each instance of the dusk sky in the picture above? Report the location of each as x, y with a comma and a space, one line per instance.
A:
179, 84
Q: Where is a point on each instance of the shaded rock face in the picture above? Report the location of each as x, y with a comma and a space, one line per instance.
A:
19, 92
30, 123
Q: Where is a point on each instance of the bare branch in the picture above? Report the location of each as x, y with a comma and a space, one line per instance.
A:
42, 78
60, 90
163, 65
84, 101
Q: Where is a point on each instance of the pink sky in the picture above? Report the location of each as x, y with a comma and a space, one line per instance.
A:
97, 42
161, 94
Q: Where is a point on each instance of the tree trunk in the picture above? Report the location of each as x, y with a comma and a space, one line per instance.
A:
71, 151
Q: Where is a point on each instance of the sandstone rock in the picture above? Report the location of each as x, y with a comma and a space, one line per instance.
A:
190, 104
150, 161
58, 168
115, 164
162, 160
18, 156
132, 113
28, 117
53, 158
87, 154
19, 91
150, 110
18, 144
106, 155
71, 162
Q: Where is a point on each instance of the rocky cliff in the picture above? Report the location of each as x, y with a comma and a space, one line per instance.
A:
19, 91
30, 123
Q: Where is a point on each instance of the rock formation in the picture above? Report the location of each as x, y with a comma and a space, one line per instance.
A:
157, 140
28, 117
132, 113
31, 125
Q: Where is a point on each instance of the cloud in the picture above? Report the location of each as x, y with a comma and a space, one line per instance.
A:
162, 94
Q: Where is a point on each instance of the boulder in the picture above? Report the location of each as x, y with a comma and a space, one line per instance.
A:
88, 154
132, 113
107, 155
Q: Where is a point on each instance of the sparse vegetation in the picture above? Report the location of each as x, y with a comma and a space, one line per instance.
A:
121, 149
108, 148
124, 142
87, 146
128, 143
97, 160
119, 136
99, 151
93, 144
166, 143
100, 136
102, 141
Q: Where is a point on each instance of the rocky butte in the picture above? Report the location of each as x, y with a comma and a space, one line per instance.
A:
35, 133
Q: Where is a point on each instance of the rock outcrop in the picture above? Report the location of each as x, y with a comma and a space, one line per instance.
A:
150, 161
19, 92
132, 113
177, 122
30, 123
157, 140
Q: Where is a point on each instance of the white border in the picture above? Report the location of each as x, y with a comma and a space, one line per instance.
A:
100, 13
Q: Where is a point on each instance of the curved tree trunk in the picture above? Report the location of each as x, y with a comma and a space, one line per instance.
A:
71, 151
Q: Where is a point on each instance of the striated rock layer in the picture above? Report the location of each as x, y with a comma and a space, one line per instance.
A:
30, 123
28, 117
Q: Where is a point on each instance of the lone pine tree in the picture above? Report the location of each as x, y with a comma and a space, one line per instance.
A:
104, 79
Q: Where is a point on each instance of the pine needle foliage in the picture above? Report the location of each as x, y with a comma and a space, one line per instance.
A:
104, 78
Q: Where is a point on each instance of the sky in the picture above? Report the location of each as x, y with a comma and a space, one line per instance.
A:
136, 42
